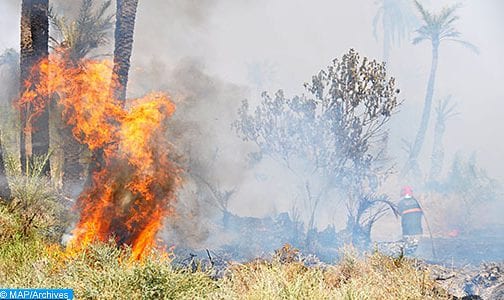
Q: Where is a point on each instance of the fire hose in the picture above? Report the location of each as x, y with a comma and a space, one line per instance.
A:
430, 232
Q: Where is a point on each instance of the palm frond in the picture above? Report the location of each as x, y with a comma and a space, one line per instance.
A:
90, 30
426, 16
439, 27
447, 12
466, 44
449, 33
446, 109
451, 20
397, 17
419, 39
376, 18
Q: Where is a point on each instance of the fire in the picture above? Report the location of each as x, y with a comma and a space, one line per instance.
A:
135, 189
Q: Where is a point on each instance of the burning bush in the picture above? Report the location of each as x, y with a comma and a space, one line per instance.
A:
133, 190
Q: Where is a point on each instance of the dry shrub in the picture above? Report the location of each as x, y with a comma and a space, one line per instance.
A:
103, 271
371, 277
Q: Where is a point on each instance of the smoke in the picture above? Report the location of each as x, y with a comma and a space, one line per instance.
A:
210, 55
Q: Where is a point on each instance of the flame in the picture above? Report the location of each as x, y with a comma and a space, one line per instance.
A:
134, 191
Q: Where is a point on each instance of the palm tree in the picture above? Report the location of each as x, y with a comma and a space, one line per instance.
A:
77, 38
437, 28
397, 21
444, 111
34, 47
125, 25
90, 30
123, 39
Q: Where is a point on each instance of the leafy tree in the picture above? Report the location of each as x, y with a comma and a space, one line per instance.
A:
436, 28
332, 139
397, 20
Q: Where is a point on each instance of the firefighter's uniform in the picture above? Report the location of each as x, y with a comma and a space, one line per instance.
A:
411, 222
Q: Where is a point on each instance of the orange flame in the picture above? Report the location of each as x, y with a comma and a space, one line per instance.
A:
135, 189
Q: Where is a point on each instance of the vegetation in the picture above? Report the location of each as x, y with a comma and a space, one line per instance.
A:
34, 47
436, 28
103, 271
76, 39
34, 206
464, 190
124, 28
333, 139
5, 192
397, 20
444, 111
89, 31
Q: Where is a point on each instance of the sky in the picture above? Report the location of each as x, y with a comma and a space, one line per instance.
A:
250, 46
290, 40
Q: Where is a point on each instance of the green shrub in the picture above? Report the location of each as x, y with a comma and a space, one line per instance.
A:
35, 203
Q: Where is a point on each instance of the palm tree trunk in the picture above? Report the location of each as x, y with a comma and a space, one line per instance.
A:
437, 149
25, 63
72, 168
34, 47
412, 163
5, 193
125, 25
386, 42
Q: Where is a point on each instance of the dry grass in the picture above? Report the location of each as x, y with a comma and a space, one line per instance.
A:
372, 277
102, 271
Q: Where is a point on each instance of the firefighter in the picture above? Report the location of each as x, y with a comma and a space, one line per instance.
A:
411, 219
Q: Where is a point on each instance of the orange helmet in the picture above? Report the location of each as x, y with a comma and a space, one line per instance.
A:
406, 191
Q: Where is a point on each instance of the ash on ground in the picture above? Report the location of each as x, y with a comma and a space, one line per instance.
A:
469, 265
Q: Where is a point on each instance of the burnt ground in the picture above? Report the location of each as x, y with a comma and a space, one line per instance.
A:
471, 263
474, 247
485, 281
475, 262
